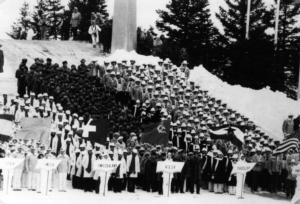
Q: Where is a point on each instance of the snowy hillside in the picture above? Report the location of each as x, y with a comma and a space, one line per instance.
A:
14, 51
266, 108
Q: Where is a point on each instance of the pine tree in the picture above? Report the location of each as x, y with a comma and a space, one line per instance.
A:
39, 14
233, 19
187, 23
21, 26
288, 41
54, 17
288, 28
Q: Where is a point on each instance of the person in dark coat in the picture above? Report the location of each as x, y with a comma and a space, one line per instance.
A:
188, 172
21, 75
231, 182
207, 171
1, 59
198, 164
219, 173
150, 173
178, 179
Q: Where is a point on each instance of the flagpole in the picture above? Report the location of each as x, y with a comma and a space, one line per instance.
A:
276, 23
248, 19
299, 85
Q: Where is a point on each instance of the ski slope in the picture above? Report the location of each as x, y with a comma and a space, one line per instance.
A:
16, 50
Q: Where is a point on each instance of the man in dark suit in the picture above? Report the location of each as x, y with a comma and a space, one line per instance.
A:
1, 59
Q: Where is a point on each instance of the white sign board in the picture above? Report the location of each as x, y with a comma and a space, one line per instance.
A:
106, 165
10, 163
242, 167
47, 164
169, 166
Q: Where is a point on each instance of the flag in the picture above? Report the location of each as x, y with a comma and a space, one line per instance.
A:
292, 143
296, 2
35, 128
158, 135
6, 126
232, 133
97, 130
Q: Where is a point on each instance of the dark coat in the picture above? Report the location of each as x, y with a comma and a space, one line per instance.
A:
198, 164
207, 168
219, 171
1, 61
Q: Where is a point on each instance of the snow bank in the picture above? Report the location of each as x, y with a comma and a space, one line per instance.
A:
120, 55
266, 108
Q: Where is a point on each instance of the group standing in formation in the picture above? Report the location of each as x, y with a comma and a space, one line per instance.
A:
131, 95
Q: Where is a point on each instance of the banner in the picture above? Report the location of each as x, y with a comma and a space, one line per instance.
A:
35, 128
242, 167
6, 127
169, 167
106, 165
158, 135
47, 164
97, 130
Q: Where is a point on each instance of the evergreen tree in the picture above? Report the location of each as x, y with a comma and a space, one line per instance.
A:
54, 16
188, 25
145, 40
38, 16
233, 19
21, 26
288, 41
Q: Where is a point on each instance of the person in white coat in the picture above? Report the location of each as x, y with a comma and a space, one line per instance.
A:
18, 171
31, 162
240, 180
104, 177
62, 170
94, 31
133, 169
167, 177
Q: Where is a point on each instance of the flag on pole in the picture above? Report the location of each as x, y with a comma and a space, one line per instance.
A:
158, 135
97, 130
35, 128
6, 126
231, 133
292, 143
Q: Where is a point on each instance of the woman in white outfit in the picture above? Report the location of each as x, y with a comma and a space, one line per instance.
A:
94, 31
167, 177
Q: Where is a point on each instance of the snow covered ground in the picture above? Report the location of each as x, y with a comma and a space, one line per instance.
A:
79, 197
266, 108
15, 51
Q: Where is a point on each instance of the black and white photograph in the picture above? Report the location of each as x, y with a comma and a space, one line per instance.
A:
150, 101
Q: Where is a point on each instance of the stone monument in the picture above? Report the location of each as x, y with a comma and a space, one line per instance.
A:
124, 34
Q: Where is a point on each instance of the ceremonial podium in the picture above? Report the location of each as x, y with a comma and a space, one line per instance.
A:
46, 166
240, 169
169, 167
8, 165
106, 166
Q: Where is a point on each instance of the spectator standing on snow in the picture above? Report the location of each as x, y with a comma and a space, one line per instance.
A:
1, 59
94, 30
75, 22
288, 126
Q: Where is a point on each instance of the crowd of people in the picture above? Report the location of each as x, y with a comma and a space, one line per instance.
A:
131, 96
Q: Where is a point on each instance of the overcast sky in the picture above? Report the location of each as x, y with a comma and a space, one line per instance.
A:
9, 11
